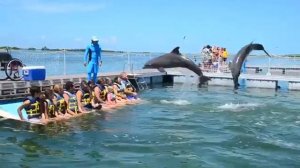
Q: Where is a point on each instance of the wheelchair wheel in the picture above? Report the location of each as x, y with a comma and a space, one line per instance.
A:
13, 70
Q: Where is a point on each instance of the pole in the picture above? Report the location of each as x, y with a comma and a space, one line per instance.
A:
64, 61
128, 61
219, 64
269, 68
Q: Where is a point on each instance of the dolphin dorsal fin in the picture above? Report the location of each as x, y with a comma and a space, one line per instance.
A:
176, 51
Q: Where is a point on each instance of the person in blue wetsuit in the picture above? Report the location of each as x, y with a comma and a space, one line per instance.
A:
92, 59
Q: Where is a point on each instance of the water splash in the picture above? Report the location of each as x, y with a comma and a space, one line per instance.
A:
176, 102
239, 106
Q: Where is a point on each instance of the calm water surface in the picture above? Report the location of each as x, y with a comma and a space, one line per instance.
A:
174, 126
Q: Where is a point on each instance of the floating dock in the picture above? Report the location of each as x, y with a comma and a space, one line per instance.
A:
141, 79
19, 89
251, 79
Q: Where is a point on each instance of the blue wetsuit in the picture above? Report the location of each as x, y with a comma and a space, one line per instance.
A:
92, 56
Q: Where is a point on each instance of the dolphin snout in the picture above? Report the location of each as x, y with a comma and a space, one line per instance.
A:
204, 79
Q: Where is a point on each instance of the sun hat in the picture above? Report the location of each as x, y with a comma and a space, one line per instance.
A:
94, 38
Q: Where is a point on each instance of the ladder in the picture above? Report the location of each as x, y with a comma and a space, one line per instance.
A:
139, 83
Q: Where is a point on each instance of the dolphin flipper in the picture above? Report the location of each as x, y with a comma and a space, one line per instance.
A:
161, 69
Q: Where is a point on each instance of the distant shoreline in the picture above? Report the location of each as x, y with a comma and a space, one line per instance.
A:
48, 49
106, 51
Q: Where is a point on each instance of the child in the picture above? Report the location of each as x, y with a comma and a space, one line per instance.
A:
100, 91
59, 101
70, 99
85, 98
120, 95
49, 104
111, 97
31, 104
96, 103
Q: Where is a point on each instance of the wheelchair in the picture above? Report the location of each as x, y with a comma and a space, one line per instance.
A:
11, 66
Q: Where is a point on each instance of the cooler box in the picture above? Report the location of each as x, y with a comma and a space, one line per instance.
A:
34, 73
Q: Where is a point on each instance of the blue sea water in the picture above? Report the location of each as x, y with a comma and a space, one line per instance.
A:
174, 126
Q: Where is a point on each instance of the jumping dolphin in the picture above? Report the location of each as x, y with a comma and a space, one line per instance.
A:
175, 59
239, 59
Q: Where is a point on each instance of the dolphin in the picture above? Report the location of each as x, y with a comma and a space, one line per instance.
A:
175, 59
239, 59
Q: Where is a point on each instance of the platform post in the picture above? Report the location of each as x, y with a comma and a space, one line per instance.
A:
64, 61
269, 68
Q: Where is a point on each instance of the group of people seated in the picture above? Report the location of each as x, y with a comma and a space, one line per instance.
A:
58, 102
213, 56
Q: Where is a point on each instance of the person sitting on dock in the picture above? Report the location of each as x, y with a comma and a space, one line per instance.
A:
50, 108
120, 95
85, 98
59, 100
127, 87
70, 99
100, 91
111, 97
31, 104
102, 87
43, 105
95, 90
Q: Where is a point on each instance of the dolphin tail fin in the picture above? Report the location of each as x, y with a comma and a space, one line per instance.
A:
203, 79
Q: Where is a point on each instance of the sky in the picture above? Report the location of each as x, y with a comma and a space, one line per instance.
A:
151, 25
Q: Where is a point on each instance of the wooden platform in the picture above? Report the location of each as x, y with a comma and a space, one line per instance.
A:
18, 89
248, 80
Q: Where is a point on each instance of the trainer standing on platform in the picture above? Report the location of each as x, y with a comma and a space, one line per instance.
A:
92, 59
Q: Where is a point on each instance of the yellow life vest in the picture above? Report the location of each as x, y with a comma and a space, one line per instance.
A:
120, 92
61, 104
51, 108
33, 110
103, 94
72, 104
86, 98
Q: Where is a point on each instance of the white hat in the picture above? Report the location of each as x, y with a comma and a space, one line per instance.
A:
94, 38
